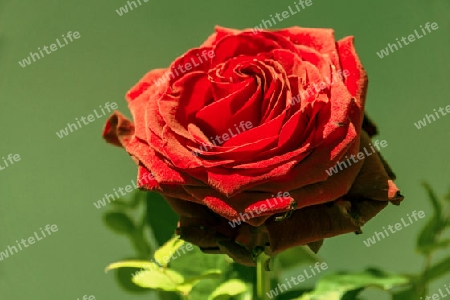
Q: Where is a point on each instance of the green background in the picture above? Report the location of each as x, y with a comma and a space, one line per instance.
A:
57, 180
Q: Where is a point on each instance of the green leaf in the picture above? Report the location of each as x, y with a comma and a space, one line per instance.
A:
335, 286
209, 274
292, 294
447, 197
205, 271
161, 279
169, 296
243, 272
436, 246
437, 208
353, 294
127, 269
191, 261
192, 271
151, 275
138, 197
119, 222
426, 239
407, 294
160, 217
430, 232
124, 278
170, 280
140, 244
124, 275
120, 204
227, 289
193, 281
140, 264
165, 253
295, 256
204, 288
436, 271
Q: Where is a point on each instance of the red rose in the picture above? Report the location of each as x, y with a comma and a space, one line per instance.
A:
245, 128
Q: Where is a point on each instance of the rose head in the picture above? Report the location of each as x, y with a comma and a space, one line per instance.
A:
240, 132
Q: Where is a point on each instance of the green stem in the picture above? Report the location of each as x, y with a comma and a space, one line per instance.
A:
423, 286
262, 277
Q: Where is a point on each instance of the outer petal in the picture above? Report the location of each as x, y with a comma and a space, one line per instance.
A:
317, 222
320, 39
357, 80
146, 82
374, 181
220, 33
118, 130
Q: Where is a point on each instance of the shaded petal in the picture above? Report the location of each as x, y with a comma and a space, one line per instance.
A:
373, 181
118, 130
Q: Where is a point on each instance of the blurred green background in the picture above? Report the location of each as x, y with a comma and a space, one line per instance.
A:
57, 180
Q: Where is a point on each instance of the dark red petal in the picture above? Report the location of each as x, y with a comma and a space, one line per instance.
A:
118, 130
315, 223
373, 181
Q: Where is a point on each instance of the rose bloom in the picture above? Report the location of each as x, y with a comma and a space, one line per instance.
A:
240, 132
